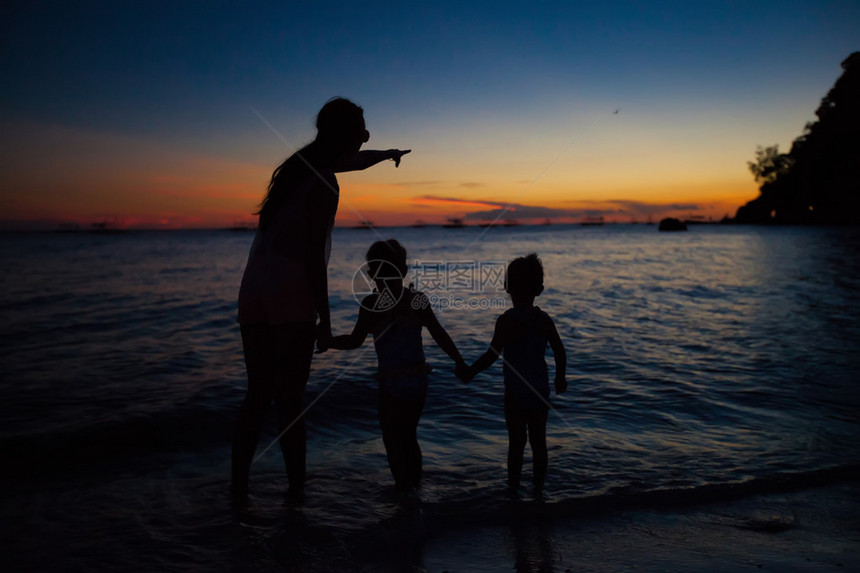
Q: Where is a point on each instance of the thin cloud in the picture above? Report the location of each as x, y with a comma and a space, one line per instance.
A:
686, 206
472, 185
590, 209
524, 212
419, 183
463, 201
644, 208
518, 210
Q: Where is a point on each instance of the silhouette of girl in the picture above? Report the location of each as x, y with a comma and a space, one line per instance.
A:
285, 288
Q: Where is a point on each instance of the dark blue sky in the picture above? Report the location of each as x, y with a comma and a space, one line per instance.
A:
151, 64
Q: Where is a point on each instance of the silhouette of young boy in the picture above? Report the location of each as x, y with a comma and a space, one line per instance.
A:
395, 316
521, 337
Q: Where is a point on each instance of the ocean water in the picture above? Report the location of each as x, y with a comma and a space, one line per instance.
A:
712, 362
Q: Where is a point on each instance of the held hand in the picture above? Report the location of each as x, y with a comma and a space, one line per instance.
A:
323, 337
396, 154
560, 384
464, 372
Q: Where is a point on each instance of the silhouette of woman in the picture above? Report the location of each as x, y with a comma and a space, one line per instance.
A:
285, 287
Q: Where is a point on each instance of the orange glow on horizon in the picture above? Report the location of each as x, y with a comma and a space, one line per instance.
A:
224, 205
142, 184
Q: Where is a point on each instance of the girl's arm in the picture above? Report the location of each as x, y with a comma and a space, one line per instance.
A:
323, 205
559, 354
369, 158
494, 351
358, 335
439, 334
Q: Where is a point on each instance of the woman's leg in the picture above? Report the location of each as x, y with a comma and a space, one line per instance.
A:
295, 348
392, 437
537, 440
398, 420
260, 367
516, 442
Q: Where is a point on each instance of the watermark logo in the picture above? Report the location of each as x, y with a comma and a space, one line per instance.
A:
367, 281
480, 277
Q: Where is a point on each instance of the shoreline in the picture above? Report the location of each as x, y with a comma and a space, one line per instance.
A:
808, 526
811, 529
799, 530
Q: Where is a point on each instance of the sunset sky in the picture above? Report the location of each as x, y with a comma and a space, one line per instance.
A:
174, 114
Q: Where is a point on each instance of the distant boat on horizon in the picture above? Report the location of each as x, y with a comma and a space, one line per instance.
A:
497, 223
454, 223
103, 227
419, 224
106, 228
593, 222
696, 220
672, 224
68, 228
363, 226
241, 226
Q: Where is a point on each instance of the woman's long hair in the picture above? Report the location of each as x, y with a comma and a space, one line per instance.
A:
337, 124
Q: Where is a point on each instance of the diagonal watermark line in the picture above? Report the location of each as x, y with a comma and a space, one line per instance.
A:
307, 408
538, 394
316, 399
536, 179
283, 139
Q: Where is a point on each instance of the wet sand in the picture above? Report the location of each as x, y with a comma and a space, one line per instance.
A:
809, 530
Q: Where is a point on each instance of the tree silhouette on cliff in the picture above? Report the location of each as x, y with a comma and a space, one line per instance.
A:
818, 181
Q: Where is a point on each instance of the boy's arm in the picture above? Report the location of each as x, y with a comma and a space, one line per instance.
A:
369, 158
559, 354
494, 351
439, 334
358, 335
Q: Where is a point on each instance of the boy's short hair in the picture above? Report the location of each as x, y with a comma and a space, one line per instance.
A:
524, 276
390, 251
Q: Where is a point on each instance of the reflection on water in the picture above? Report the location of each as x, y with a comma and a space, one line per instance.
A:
532, 545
